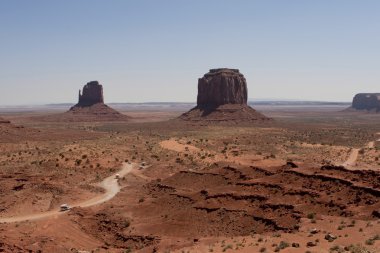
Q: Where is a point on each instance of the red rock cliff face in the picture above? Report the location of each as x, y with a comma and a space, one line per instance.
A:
92, 94
220, 87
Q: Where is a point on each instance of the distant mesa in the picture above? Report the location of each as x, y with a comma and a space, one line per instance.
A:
366, 102
222, 97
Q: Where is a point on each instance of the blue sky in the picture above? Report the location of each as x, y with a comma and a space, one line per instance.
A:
156, 50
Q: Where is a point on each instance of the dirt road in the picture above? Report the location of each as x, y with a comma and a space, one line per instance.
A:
110, 185
351, 161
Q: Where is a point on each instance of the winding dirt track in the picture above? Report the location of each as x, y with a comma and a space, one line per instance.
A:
110, 185
351, 161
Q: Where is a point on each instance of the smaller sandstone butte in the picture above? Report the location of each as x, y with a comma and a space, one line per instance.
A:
92, 94
90, 108
222, 97
367, 102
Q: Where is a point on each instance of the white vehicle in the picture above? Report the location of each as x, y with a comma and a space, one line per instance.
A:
64, 207
117, 176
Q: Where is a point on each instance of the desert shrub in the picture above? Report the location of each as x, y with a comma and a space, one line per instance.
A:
336, 248
127, 223
372, 240
282, 245
229, 246
357, 249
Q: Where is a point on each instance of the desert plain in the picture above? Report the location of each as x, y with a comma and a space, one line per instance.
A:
306, 181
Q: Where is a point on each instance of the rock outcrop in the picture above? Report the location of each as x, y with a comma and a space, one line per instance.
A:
367, 102
222, 97
92, 94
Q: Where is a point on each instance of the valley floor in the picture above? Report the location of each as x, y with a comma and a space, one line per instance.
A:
309, 181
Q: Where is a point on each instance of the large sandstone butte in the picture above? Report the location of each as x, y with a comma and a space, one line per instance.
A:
222, 97
222, 86
366, 102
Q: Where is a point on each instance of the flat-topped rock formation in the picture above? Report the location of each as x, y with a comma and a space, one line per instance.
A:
366, 102
222, 97
220, 87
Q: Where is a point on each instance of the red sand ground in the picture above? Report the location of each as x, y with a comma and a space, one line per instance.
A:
199, 189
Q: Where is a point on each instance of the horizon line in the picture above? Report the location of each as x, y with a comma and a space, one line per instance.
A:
251, 100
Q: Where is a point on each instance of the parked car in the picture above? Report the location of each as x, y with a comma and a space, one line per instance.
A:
64, 207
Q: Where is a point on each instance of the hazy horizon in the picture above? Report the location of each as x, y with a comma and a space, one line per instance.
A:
152, 51
250, 101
